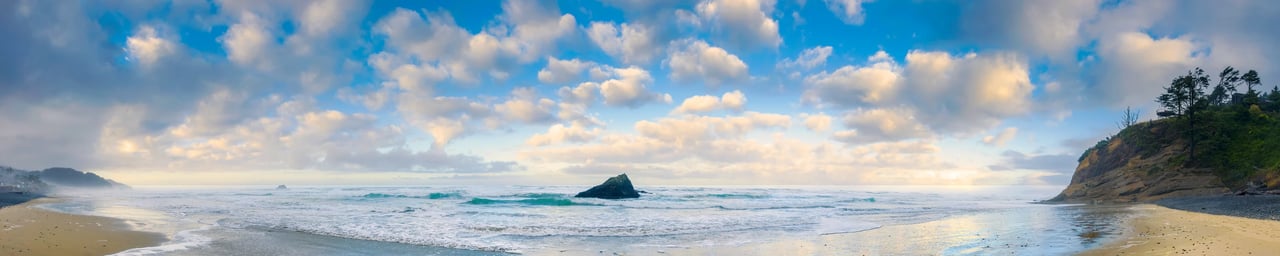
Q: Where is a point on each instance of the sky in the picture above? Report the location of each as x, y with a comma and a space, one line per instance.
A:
710, 92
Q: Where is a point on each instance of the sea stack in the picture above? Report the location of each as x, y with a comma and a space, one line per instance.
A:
618, 187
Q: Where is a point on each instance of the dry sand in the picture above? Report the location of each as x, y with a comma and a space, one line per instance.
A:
27, 230
1162, 231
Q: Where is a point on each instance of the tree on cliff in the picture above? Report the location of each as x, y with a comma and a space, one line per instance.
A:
1183, 98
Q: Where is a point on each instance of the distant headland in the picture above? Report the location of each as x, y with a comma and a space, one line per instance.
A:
17, 186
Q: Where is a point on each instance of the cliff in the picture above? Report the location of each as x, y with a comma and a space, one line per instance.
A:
1152, 160
1122, 170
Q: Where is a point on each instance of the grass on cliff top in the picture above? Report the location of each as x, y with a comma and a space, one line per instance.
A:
1240, 144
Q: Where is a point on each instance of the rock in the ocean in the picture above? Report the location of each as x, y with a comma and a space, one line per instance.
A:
618, 187
281, 187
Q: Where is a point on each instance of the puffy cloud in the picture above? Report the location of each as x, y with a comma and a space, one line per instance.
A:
946, 93
1133, 66
1000, 138
808, 59
817, 122
407, 75
852, 86
325, 17
634, 44
694, 60
628, 88
536, 26
525, 106
560, 71
249, 42
877, 125
527, 32
733, 101
433, 38
849, 11
584, 93
1038, 28
147, 47
741, 24
559, 133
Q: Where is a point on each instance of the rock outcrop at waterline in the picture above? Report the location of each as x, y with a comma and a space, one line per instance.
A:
617, 187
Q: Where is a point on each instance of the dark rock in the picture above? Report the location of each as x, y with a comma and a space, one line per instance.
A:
281, 187
618, 187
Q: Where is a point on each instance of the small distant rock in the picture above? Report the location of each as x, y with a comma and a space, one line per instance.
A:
281, 187
618, 187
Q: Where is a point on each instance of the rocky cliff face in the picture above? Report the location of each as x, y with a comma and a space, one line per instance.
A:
1121, 170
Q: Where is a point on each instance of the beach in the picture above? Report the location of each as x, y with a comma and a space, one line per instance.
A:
30, 230
1159, 230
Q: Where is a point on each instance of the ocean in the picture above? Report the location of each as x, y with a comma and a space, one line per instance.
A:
540, 220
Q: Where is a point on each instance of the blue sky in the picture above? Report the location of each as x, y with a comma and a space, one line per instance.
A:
841, 92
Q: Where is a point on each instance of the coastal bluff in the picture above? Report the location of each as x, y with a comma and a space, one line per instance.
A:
1148, 162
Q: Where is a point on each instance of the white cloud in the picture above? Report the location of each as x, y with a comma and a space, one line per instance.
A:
698, 104
1037, 28
527, 32
584, 93
525, 106
880, 125
817, 122
695, 60
629, 88
559, 133
560, 71
250, 42
327, 17
1000, 138
536, 27
633, 44
735, 100
951, 94
147, 47
407, 75
742, 24
1132, 66
732, 101
808, 59
849, 11
852, 86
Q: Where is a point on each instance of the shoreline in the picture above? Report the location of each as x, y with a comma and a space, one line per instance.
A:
1162, 230
1263, 207
30, 230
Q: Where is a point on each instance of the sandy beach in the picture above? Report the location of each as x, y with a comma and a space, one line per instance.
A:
28, 230
1158, 230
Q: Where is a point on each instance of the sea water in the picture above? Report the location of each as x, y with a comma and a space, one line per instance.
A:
481, 220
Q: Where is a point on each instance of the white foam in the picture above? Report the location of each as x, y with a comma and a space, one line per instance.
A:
183, 240
695, 215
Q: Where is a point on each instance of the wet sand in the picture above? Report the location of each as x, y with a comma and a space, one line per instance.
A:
28, 230
1027, 231
1158, 230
